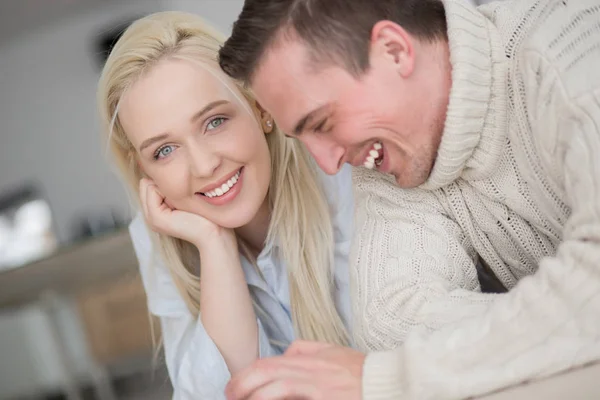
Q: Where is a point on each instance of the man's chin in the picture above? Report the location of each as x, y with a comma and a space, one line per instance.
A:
407, 185
410, 180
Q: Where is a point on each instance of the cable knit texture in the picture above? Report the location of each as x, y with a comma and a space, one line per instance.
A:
516, 184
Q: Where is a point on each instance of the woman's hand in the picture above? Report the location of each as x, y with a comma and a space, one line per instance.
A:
183, 225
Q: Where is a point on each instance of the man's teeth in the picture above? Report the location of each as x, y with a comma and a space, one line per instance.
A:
374, 157
220, 191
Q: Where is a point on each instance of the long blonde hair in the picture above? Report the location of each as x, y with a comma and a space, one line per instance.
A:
300, 219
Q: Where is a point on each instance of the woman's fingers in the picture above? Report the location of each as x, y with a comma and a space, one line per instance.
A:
153, 202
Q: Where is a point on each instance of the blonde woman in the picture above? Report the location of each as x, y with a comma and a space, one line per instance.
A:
252, 240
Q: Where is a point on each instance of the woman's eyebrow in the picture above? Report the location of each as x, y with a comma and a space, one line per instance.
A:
207, 108
148, 142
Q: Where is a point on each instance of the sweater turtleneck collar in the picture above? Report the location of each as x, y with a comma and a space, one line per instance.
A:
475, 127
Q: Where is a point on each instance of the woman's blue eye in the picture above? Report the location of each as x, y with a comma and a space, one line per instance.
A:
163, 152
215, 123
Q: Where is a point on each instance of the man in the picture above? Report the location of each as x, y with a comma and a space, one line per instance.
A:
477, 137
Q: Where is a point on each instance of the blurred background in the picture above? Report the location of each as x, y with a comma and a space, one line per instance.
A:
73, 316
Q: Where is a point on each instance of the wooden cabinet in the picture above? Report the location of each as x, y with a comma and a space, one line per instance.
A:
116, 320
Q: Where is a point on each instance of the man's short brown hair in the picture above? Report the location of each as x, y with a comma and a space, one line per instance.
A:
336, 31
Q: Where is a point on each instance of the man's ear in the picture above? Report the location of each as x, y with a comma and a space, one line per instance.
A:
393, 46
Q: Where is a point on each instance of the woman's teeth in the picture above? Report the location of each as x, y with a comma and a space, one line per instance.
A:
375, 156
220, 191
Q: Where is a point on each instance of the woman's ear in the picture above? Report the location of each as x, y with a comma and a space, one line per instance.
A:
267, 124
266, 121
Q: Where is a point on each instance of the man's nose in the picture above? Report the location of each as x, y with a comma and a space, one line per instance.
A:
327, 153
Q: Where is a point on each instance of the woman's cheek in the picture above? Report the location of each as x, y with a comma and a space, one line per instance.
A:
171, 184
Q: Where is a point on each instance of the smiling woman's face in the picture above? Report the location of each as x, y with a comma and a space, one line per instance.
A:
206, 153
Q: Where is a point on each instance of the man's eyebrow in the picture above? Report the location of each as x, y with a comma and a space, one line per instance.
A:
301, 125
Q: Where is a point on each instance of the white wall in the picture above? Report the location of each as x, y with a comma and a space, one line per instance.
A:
49, 134
220, 13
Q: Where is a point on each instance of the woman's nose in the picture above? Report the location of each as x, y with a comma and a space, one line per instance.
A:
203, 161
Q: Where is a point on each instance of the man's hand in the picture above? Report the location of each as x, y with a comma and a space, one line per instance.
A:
307, 371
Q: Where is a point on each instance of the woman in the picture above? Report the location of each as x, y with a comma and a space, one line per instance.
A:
253, 241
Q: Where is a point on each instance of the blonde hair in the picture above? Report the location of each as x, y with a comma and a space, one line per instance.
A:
300, 218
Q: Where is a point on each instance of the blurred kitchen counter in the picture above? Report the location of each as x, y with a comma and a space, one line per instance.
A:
580, 383
70, 270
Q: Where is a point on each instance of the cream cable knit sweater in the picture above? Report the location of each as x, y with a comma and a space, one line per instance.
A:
517, 183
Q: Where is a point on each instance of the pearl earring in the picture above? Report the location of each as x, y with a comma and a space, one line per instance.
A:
269, 124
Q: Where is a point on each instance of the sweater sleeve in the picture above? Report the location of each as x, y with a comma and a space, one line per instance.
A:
549, 321
414, 267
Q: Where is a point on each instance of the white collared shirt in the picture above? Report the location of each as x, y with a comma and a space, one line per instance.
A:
196, 367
